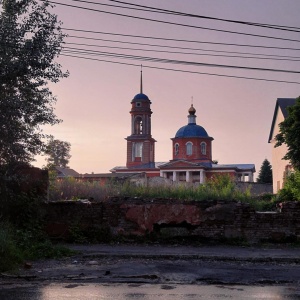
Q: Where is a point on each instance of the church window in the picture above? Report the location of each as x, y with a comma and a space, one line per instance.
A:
138, 104
176, 149
189, 148
138, 125
203, 148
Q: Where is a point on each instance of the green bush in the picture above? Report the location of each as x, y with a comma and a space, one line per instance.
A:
291, 189
10, 254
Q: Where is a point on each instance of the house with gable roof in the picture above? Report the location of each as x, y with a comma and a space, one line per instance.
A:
280, 167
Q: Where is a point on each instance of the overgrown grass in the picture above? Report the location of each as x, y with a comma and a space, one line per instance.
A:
17, 246
72, 189
221, 187
210, 191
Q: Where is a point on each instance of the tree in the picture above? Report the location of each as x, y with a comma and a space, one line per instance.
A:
59, 153
290, 134
30, 40
265, 173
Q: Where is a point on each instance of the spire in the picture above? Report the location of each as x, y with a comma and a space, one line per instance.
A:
141, 79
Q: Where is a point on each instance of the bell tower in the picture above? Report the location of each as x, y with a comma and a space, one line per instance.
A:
140, 144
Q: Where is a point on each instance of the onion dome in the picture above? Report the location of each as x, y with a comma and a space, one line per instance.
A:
192, 110
140, 97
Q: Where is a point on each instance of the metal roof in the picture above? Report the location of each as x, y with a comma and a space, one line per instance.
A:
153, 165
107, 175
208, 165
66, 172
191, 130
234, 166
140, 97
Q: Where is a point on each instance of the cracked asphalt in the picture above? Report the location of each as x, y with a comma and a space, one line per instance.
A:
163, 264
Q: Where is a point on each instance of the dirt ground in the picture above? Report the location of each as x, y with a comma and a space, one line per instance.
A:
164, 264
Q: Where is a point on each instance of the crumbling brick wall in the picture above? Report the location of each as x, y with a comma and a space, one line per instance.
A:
216, 220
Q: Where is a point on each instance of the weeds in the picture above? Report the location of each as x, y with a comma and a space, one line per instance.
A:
72, 189
17, 246
221, 187
10, 254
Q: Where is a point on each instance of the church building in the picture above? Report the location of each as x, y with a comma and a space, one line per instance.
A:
191, 148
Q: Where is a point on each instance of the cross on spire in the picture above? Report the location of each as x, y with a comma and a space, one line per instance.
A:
141, 89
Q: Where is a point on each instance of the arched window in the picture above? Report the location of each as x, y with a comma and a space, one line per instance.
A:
138, 125
176, 149
189, 148
203, 148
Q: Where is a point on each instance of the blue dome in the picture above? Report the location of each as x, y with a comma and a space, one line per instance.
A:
141, 97
191, 130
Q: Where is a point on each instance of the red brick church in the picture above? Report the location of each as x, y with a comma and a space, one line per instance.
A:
192, 149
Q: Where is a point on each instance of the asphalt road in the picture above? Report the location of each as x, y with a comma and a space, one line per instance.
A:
156, 264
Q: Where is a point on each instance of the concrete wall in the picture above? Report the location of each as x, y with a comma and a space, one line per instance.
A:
215, 220
256, 189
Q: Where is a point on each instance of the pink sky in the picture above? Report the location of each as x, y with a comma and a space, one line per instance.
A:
94, 102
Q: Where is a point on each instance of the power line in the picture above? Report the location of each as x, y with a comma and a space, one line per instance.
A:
268, 57
190, 63
170, 39
210, 18
177, 24
183, 71
177, 13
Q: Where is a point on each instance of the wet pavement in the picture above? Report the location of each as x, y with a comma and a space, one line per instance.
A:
154, 270
149, 292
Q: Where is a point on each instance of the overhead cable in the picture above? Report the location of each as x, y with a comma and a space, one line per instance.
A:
145, 8
191, 63
177, 24
183, 71
255, 56
170, 39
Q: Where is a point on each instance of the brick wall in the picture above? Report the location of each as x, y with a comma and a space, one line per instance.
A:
216, 220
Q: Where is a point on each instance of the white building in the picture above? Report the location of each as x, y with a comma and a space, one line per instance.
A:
280, 166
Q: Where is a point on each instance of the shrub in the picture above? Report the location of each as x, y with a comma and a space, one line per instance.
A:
10, 254
291, 189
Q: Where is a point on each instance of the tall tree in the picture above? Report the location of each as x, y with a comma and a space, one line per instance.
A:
58, 152
265, 173
30, 41
290, 134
